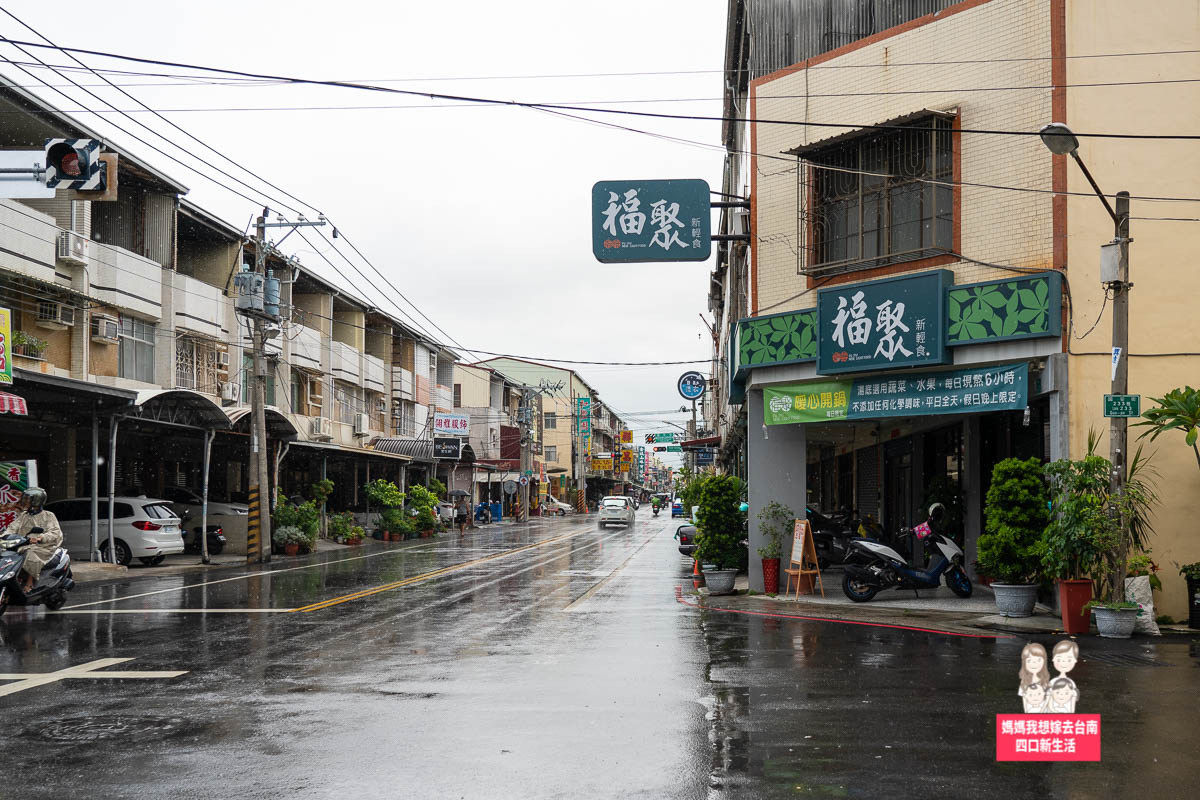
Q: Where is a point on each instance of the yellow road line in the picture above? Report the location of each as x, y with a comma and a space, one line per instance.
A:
431, 575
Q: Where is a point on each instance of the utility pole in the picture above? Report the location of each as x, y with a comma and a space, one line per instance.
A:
524, 419
692, 435
1119, 426
258, 298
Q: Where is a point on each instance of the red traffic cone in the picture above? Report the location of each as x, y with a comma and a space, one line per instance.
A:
695, 567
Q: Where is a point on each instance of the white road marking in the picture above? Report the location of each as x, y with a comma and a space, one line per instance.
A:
30, 680
173, 611
583, 598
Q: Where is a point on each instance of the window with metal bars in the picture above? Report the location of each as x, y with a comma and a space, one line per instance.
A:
196, 365
350, 400
136, 357
872, 202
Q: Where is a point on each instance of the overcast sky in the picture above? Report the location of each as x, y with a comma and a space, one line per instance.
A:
479, 215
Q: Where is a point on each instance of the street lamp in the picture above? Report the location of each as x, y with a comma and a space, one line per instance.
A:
1059, 140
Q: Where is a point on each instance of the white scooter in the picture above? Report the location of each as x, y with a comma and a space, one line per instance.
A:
876, 566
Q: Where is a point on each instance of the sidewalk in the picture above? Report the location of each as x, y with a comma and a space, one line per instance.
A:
937, 609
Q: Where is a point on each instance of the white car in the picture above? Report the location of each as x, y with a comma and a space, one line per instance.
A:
145, 529
558, 507
616, 510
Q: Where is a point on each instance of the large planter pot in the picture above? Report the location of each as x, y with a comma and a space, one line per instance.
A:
1193, 590
291, 549
770, 567
1015, 599
720, 581
1115, 623
1073, 597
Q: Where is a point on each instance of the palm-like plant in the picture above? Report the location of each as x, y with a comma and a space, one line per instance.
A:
1178, 409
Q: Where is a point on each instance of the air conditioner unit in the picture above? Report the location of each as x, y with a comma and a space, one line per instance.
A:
361, 423
322, 428
105, 330
231, 392
381, 405
72, 248
56, 316
223, 360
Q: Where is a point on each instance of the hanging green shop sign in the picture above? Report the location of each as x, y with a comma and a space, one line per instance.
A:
882, 324
651, 220
964, 391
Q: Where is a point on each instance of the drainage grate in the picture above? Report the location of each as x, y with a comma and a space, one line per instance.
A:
1125, 660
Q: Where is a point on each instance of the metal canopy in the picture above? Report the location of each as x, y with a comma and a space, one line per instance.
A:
278, 425
416, 449
179, 407
351, 452
813, 148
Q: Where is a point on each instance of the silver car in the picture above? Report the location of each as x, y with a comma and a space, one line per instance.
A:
616, 510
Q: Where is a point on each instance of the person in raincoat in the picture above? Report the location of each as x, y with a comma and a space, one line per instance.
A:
42, 545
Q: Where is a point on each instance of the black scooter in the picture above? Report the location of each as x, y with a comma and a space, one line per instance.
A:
51, 586
216, 540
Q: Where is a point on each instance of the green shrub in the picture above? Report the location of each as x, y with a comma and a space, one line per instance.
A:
425, 520
1015, 516
340, 525
384, 493
305, 516
419, 497
321, 490
395, 520
1083, 528
438, 488
719, 522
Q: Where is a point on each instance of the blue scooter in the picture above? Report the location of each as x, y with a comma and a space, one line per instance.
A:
876, 566
51, 586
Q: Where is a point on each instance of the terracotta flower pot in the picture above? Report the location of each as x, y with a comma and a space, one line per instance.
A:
291, 549
770, 568
1073, 597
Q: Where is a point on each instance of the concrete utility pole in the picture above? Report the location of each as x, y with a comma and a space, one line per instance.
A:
258, 533
692, 457
524, 419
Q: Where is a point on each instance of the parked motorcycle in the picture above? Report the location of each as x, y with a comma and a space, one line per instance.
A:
876, 566
216, 540
51, 586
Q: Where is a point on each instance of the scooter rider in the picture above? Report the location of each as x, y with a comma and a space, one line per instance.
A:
42, 545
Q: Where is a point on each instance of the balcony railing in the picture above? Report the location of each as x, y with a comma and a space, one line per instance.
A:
374, 373
199, 306
403, 386
126, 280
346, 363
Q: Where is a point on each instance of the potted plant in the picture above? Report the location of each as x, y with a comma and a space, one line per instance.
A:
772, 521
288, 538
1080, 533
720, 538
1010, 547
26, 345
423, 501
1191, 573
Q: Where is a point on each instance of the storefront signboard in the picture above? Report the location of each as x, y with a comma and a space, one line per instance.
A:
967, 391
5, 346
651, 220
451, 424
882, 324
447, 447
15, 478
602, 464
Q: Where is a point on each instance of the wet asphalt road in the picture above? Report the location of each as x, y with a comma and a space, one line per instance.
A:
547, 660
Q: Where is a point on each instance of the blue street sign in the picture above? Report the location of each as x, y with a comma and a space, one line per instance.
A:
691, 385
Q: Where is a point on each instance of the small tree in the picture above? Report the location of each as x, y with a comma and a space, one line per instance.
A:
773, 521
1015, 517
438, 488
320, 492
1085, 524
1177, 410
719, 522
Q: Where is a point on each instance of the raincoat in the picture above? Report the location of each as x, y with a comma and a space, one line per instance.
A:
36, 555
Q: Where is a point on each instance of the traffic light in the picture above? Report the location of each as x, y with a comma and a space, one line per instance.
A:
74, 164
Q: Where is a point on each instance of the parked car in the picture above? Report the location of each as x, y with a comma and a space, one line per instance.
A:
677, 509
143, 528
558, 507
616, 510
186, 505
686, 534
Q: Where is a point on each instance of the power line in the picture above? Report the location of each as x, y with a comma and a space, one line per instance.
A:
568, 107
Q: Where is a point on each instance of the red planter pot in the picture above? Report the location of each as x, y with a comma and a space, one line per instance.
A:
1073, 597
291, 549
770, 568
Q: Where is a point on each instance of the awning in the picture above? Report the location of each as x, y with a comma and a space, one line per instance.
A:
415, 449
179, 407
353, 452
278, 425
699, 444
11, 404
809, 150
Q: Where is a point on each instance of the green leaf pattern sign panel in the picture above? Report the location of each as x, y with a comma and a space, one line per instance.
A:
1008, 309
779, 339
